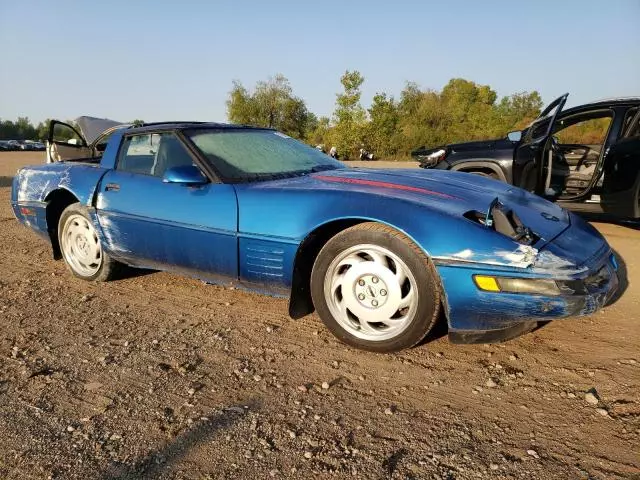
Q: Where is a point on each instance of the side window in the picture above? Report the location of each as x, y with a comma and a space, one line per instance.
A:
591, 131
101, 144
632, 123
63, 133
152, 154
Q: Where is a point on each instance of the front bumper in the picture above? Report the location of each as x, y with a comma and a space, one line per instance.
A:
491, 336
476, 316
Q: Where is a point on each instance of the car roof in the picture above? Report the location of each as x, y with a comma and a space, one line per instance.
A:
183, 125
605, 102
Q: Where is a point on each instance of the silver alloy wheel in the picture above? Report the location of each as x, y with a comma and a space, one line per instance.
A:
80, 246
371, 292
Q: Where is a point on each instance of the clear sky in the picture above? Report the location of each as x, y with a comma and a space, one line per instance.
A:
163, 60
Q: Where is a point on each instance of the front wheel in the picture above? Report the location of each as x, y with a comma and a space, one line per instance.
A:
375, 289
81, 247
485, 174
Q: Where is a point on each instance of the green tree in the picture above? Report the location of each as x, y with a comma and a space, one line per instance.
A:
320, 134
271, 104
381, 136
469, 109
349, 115
21, 129
422, 119
42, 130
519, 109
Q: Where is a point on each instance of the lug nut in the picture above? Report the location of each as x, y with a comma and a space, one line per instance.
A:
374, 303
374, 279
361, 296
361, 282
383, 292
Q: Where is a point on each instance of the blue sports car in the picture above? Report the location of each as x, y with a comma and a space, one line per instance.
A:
379, 254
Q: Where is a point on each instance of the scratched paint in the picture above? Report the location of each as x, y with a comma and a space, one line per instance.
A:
522, 257
552, 264
34, 185
113, 235
526, 257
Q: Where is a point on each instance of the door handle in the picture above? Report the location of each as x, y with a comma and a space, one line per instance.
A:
113, 187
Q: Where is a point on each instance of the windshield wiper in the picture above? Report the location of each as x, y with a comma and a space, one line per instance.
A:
322, 168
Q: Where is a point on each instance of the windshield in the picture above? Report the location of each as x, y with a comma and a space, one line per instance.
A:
246, 154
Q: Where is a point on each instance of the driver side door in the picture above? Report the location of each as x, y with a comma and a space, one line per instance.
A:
533, 157
149, 221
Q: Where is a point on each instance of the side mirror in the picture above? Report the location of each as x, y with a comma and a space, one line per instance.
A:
187, 174
515, 136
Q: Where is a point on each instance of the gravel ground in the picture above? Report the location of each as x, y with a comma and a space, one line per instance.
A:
158, 376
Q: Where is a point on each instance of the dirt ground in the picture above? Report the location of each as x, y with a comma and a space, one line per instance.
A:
159, 376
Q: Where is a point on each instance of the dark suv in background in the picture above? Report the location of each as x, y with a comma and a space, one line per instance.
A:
598, 176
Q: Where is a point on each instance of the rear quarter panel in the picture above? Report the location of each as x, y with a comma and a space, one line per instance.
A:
32, 187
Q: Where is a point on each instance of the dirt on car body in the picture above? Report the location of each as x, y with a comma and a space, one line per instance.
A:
158, 376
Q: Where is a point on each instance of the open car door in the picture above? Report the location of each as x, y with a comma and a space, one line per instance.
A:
82, 141
65, 143
621, 185
533, 167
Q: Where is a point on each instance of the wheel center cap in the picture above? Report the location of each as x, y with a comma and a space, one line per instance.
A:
82, 244
371, 291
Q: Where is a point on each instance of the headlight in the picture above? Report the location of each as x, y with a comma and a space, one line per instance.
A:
436, 155
517, 285
433, 158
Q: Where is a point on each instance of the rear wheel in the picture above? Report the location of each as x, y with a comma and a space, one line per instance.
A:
375, 289
81, 247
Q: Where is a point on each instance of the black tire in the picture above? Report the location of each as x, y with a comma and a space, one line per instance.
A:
423, 270
107, 269
492, 175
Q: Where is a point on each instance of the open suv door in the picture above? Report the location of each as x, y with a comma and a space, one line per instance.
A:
621, 185
533, 167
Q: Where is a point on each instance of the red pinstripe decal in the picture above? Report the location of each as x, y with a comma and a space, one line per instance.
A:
375, 183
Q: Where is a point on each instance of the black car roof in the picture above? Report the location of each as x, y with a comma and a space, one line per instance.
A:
606, 102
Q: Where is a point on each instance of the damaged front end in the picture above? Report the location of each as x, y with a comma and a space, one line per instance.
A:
493, 295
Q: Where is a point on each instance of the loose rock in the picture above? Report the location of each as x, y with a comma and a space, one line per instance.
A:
590, 398
533, 453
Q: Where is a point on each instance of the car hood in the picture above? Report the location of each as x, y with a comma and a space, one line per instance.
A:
92, 127
479, 145
453, 193
497, 144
